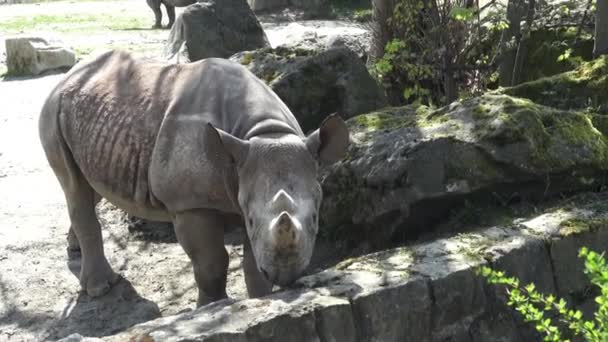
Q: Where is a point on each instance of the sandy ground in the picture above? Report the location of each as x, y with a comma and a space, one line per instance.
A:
40, 298
39, 291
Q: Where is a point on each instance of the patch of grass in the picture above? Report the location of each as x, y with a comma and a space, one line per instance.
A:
359, 10
72, 22
3, 70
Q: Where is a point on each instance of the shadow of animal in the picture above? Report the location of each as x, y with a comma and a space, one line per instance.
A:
120, 309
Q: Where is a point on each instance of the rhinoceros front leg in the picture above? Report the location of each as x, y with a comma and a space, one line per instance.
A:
201, 234
257, 284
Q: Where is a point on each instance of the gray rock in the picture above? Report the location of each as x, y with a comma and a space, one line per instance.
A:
322, 35
212, 28
33, 55
313, 8
410, 305
79, 338
408, 166
263, 5
425, 292
315, 84
570, 280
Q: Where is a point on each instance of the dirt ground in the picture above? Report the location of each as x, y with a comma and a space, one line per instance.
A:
39, 290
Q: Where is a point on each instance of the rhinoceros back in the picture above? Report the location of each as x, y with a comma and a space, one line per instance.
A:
113, 107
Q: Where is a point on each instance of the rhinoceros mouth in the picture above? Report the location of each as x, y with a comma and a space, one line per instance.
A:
281, 276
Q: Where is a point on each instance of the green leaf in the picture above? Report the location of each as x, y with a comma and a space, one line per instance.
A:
462, 13
564, 56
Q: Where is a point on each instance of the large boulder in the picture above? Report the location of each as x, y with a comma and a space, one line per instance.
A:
33, 55
407, 167
428, 291
584, 87
315, 83
322, 35
216, 29
313, 8
263, 5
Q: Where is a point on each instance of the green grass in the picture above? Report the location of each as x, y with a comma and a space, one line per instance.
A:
73, 22
356, 9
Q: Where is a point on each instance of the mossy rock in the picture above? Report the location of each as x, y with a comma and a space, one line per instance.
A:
547, 45
583, 88
409, 165
316, 83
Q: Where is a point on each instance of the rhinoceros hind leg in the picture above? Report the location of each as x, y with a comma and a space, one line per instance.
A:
158, 15
73, 244
96, 275
201, 235
257, 284
171, 14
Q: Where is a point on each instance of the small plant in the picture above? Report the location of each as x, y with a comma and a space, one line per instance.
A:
535, 306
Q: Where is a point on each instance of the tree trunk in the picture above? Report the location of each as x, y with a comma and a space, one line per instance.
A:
449, 83
601, 28
382, 10
522, 48
507, 54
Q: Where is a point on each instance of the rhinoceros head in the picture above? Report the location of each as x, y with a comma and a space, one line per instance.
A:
279, 194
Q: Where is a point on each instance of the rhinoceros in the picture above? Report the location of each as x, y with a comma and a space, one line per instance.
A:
202, 145
170, 7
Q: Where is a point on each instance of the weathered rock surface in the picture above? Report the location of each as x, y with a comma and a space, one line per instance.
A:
582, 88
33, 55
322, 35
409, 166
315, 84
424, 292
212, 28
261, 5
313, 8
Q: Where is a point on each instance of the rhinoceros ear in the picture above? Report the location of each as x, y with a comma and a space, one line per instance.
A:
235, 147
330, 141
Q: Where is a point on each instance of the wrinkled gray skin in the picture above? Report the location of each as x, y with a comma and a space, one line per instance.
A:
204, 145
170, 7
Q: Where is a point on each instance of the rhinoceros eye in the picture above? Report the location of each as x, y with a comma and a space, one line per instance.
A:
250, 222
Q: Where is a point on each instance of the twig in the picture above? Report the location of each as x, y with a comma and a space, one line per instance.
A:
580, 27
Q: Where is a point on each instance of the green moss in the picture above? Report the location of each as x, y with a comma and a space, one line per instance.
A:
381, 121
271, 76
481, 111
247, 58
547, 45
581, 225
584, 87
546, 132
474, 246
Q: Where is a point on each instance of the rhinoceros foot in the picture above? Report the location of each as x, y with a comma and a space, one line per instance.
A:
97, 279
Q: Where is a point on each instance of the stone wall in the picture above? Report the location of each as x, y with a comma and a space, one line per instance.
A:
424, 292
